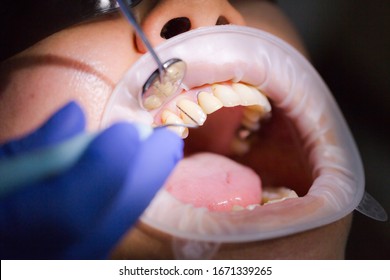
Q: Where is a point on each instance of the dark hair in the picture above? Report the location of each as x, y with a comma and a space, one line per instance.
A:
26, 22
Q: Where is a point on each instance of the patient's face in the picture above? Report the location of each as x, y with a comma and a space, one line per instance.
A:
85, 62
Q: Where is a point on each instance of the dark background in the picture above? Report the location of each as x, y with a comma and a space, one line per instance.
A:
349, 43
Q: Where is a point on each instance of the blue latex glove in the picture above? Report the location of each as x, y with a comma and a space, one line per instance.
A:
82, 212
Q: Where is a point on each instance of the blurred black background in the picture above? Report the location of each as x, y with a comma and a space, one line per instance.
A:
349, 43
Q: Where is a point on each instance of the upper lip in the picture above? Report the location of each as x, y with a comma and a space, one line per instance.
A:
297, 90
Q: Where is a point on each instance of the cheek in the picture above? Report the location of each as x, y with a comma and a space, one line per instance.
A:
81, 64
33, 95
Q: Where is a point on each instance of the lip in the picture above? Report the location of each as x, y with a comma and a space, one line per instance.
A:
267, 62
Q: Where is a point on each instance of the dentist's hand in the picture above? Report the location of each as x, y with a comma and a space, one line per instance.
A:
83, 212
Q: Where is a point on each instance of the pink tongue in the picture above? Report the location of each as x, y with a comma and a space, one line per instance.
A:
215, 182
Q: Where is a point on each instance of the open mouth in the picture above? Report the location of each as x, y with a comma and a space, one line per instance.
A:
229, 161
273, 155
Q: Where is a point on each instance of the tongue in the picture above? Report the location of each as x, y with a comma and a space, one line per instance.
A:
215, 182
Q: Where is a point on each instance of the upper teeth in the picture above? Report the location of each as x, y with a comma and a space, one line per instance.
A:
248, 95
227, 95
169, 117
189, 111
209, 102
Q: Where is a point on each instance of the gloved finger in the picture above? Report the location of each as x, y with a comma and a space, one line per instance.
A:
96, 178
65, 123
66, 208
154, 161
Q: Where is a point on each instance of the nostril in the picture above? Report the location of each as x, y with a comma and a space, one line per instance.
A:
222, 21
175, 27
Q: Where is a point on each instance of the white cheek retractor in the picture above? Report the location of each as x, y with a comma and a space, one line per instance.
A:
232, 53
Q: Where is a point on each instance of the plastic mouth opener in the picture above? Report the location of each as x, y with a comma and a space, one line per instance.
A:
164, 82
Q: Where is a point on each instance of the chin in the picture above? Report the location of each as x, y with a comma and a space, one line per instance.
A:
272, 172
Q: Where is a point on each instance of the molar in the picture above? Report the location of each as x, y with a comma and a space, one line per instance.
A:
243, 133
239, 146
251, 207
250, 125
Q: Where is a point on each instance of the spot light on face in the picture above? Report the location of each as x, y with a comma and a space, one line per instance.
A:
245, 132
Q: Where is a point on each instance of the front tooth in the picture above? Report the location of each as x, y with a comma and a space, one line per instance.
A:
247, 94
191, 112
226, 95
169, 117
209, 102
243, 133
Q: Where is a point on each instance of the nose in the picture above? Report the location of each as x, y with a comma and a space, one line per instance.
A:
171, 17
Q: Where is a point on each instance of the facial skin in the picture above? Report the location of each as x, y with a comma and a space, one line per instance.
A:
85, 62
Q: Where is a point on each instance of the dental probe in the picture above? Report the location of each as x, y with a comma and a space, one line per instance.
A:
165, 81
17, 172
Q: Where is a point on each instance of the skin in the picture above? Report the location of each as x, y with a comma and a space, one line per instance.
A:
84, 63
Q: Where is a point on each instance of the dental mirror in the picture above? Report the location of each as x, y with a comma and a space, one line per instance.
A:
164, 82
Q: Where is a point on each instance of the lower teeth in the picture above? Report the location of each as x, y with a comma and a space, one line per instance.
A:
269, 195
277, 194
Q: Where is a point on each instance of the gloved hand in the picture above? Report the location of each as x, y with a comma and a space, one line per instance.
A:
82, 212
